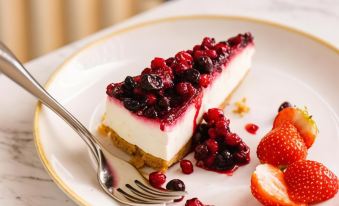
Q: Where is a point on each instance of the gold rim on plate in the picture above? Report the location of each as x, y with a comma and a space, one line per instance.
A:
36, 131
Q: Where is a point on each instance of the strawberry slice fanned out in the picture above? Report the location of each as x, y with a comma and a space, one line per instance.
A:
269, 188
282, 146
304, 123
310, 182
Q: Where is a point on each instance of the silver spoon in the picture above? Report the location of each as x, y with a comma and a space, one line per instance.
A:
119, 179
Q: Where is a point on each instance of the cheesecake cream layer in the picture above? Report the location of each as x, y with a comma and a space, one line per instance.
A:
166, 143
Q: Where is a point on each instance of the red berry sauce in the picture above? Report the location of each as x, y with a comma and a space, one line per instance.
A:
216, 148
164, 90
251, 128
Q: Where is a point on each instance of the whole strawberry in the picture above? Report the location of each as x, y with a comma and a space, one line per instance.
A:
304, 123
310, 182
282, 146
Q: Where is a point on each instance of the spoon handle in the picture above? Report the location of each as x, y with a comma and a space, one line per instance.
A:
12, 68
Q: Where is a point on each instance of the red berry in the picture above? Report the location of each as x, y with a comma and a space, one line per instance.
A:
215, 114
198, 54
222, 127
183, 57
193, 202
169, 61
156, 179
179, 67
186, 166
204, 80
221, 48
212, 146
208, 43
196, 47
235, 41
146, 71
232, 139
211, 54
158, 62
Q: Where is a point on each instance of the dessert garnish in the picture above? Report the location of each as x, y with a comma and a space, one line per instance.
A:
241, 107
294, 131
157, 179
310, 182
186, 166
251, 128
194, 202
300, 118
216, 147
282, 146
289, 179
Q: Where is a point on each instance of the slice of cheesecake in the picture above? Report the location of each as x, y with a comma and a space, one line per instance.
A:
152, 116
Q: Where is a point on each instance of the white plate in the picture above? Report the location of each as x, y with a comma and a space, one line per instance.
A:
288, 65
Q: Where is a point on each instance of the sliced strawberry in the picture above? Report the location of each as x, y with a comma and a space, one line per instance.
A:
282, 146
301, 120
268, 186
310, 182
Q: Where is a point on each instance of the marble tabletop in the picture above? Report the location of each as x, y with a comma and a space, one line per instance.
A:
23, 180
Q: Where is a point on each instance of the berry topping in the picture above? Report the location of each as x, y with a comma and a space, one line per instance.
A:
193, 202
216, 147
186, 166
269, 188
156, 179
166, 89
175, 185
251, 128
151, 82
310, 182
284, 105
282, 146
304, 123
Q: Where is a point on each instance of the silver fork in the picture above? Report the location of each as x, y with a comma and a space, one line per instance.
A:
118, 178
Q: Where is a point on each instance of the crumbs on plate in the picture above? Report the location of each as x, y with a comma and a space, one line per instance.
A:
241, 107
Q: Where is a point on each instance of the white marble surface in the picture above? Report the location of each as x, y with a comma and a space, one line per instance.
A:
23, 180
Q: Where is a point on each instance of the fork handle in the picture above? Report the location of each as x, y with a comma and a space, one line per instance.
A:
13, 69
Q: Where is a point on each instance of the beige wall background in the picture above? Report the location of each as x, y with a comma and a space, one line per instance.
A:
31, 28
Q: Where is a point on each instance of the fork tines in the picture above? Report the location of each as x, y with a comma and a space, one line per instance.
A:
144, 194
